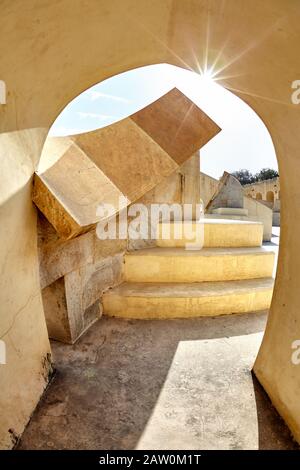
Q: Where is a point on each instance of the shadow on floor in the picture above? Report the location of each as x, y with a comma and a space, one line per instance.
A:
272, 430
108, 384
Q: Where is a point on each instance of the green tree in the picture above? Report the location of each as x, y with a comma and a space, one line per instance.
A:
244, 176
266, 174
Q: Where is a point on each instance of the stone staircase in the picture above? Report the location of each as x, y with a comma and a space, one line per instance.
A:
232, 273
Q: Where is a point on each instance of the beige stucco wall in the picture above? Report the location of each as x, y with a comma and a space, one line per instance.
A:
263, 187
41, 43
22, 324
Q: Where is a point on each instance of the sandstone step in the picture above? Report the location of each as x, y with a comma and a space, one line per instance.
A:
209, 264
160, 301
218, 232
236, 211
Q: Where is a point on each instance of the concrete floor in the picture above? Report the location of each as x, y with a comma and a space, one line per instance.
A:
173, 384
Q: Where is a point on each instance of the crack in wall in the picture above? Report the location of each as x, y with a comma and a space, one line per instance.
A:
19, 311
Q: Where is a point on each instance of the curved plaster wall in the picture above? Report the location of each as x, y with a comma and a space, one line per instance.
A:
49, 55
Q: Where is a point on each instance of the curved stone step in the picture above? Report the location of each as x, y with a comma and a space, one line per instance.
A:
161, 301
217, 233
209, 264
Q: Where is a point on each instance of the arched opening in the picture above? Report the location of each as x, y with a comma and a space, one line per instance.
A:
270, 196
149, 34
177, 340
258, 196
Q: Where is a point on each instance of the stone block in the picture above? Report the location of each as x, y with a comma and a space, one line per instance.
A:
72, 302
128, 159
65, 316
58, 257
107, 248
260, 212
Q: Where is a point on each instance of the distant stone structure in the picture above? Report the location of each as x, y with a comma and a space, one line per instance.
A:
229, 194
230, 202
267, 192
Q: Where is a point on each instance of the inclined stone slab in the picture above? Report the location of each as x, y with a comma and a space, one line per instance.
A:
126, 159
177, 125
229, 194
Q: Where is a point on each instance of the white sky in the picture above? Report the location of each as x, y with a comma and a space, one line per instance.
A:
244, 141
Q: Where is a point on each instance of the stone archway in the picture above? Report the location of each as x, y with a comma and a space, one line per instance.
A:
258, 196
270, 196
48, 57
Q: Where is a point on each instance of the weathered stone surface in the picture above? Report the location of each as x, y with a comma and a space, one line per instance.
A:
72, 302
189, 266
73, 274
228, 194
182, 187
266, 190
190, 172
56, 311
208, 187
169, 191
177, 125
127, 159
94, 279
58, 257
107, 248
66, 317
69, 192
213, 231
258, 211
229, 202
39, 61
163, 380
149, 301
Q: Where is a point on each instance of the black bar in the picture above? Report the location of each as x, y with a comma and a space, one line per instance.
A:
142, 459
